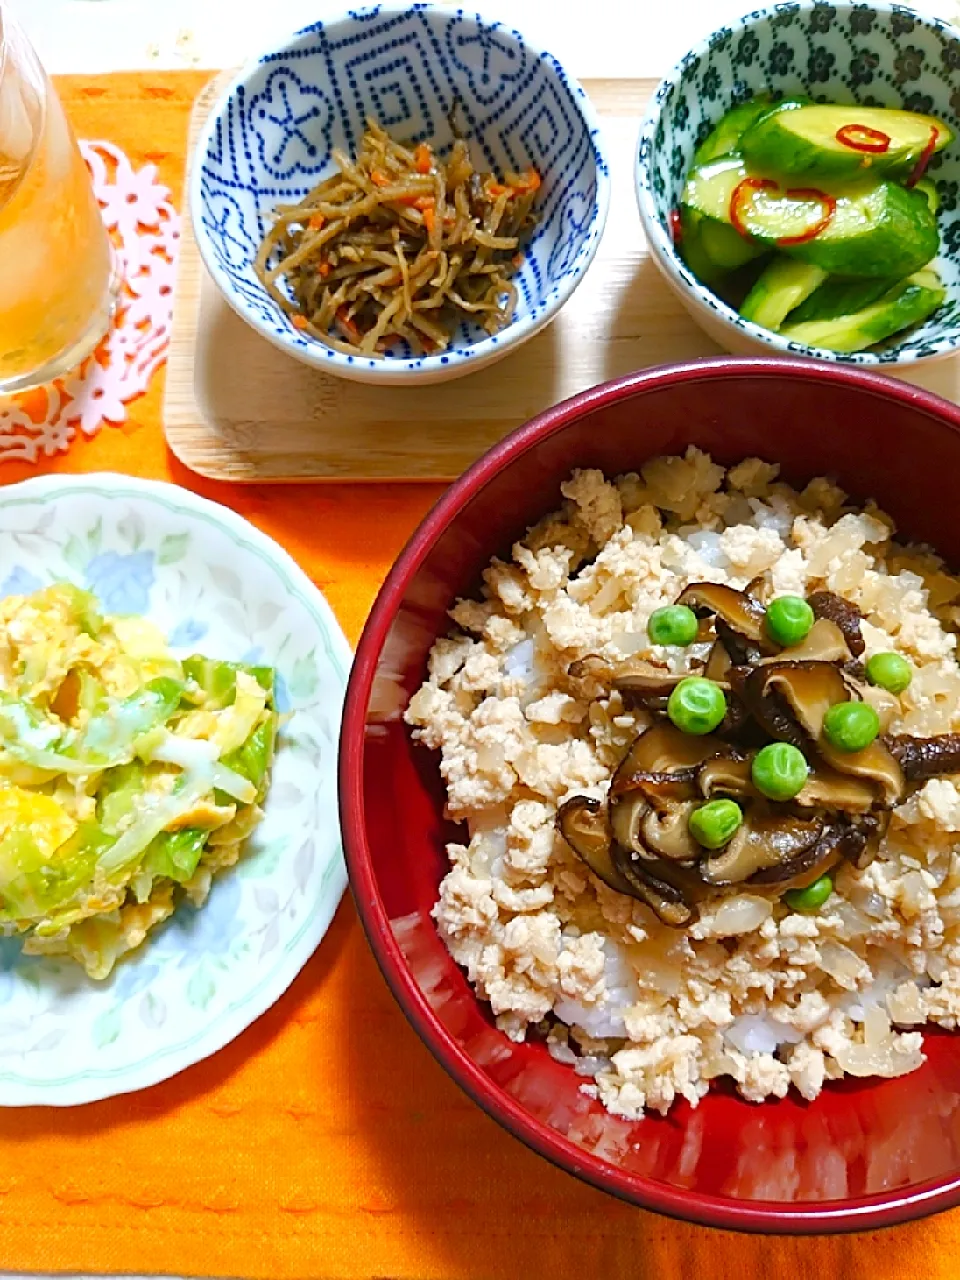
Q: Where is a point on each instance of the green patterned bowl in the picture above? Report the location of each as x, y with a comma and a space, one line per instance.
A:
872, 54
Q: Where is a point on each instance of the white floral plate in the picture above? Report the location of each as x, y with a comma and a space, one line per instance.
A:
218, 586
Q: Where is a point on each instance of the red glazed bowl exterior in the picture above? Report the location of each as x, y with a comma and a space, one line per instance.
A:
865, 1153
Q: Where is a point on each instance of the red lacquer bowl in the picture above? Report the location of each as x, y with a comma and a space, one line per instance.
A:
864, 1154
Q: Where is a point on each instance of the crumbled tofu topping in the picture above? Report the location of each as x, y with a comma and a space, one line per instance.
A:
770, 998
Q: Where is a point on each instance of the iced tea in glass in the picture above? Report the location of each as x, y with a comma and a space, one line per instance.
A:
56, 278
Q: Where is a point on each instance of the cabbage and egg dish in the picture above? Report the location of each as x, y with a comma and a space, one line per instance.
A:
128, 778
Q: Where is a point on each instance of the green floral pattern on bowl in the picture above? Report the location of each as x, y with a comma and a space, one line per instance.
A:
212, 582
871, 54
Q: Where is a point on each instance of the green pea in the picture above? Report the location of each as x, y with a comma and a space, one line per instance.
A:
851, 726
696, 705
889, 671
779, 771
810, 898
673, 624
715, 823
789, 619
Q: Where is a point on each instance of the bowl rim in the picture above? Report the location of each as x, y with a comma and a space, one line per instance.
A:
661, 244
407, 370
800, 1218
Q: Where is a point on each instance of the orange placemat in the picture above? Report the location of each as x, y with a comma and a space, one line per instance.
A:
326, 1142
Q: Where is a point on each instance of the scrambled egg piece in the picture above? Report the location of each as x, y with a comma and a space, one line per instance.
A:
114, 757
46, 821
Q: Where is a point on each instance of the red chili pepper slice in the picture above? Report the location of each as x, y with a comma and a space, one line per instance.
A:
860, 137
920, 167
676, 229
741, 194
744, 190
829, 209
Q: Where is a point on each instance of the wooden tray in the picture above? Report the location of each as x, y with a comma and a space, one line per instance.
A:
238, 409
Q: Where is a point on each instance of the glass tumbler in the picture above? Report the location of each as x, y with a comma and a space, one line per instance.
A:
57, 284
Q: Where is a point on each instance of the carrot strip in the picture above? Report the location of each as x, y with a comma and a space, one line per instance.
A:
531, 182
422, 158
346, 323
415, 202
300, 322
379, 179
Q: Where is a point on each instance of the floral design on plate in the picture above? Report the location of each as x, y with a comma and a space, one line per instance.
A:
210, 580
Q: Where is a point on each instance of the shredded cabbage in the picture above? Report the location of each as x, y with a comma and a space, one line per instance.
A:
152, 820
118, 763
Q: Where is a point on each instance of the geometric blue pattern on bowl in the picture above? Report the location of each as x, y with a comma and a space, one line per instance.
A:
269, 140
871, 54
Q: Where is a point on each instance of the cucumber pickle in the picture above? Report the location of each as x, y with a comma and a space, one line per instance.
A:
827, 208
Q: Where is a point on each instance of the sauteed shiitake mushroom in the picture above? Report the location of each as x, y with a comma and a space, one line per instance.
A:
785, 832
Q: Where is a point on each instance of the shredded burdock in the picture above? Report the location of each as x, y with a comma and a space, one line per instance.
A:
399, 245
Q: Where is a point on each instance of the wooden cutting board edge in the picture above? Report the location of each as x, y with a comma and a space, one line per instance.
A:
642, 328
189, 435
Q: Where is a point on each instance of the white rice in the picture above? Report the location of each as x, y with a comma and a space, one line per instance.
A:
752, 991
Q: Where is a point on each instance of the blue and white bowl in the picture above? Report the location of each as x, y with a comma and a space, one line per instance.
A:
873, 54
270, 137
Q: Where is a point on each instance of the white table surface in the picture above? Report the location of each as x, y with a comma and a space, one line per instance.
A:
605, 38
598, 38
95, 35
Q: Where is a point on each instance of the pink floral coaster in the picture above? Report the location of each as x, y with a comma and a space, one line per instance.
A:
145, 230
